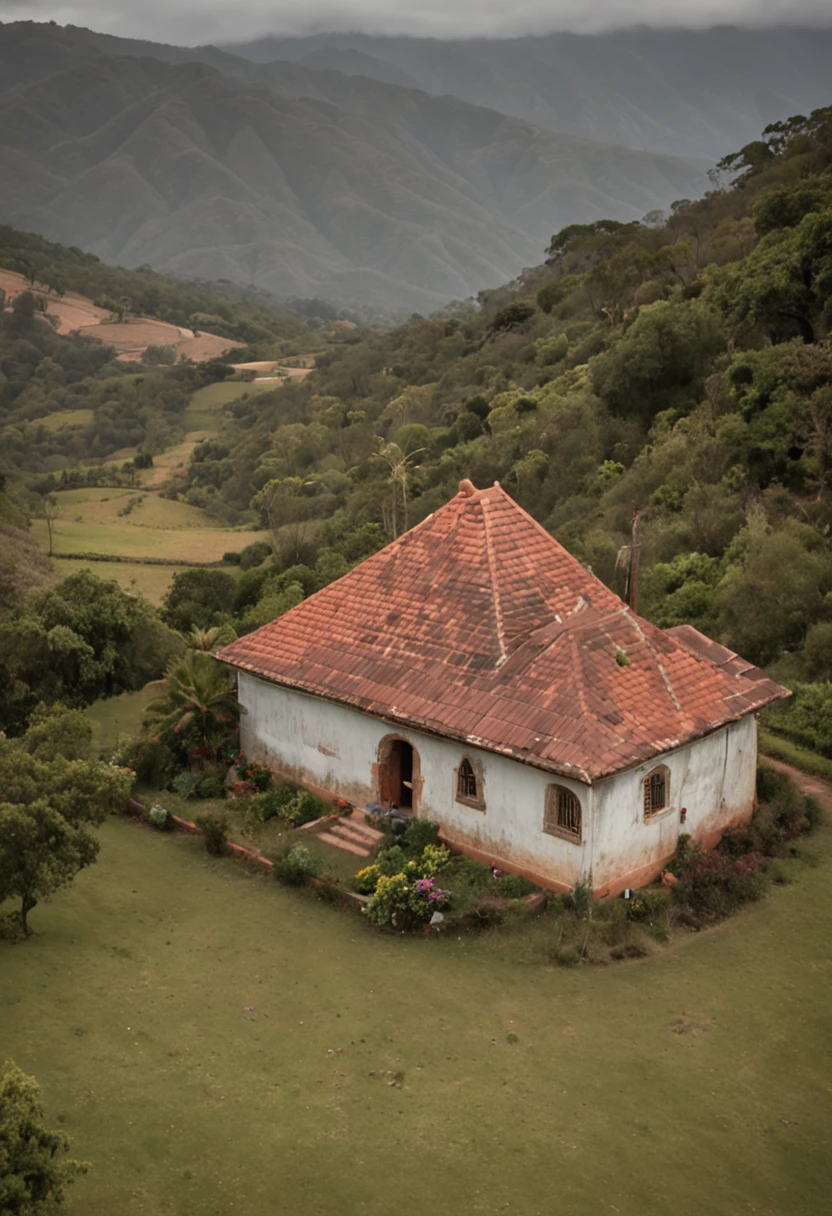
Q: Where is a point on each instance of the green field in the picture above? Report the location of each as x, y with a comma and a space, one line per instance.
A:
114, 717
88, 521
374, 1074
206, 408
64, 418
152, 582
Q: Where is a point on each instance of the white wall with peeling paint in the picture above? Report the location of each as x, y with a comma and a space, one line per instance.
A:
337, 749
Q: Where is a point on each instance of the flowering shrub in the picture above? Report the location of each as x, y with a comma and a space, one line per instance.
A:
713, 885
256, 775
405, 903
366, 880
435, 857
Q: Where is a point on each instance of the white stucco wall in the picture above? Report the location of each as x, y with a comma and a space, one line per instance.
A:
713, 778
337, 749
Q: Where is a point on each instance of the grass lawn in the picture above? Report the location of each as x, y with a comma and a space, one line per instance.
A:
117, 716
219, 1045
151, 581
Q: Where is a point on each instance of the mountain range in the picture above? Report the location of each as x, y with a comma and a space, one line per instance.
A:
684, 92
345, 167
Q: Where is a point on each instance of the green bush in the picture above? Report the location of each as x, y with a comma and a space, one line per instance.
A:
648, 905
295, 865
151, 760
159, 816
265, 806
419, 833
514, 886
214, 833
211, 786
184, 784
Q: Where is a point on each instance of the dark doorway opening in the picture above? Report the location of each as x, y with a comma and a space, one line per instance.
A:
397, 775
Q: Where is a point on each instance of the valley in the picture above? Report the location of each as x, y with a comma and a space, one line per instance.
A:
415, 543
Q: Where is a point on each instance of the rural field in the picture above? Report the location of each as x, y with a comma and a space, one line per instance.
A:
152, 582
94, 520
218, 1044
89, 522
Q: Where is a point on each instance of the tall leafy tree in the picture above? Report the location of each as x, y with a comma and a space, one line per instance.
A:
34, 1168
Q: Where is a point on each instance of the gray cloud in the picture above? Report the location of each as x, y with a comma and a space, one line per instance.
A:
198, 21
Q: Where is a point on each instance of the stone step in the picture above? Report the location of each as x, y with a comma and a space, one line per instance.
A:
366, 836
341, 842
348, 831
357, 822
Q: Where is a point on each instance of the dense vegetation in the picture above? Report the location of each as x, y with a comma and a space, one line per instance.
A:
681, 363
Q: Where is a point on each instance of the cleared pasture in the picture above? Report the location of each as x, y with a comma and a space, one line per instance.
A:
62, 419
153, 582
88, 521
207, 405
217, 1044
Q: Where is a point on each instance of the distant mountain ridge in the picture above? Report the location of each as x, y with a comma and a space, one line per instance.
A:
305, 182
685, 92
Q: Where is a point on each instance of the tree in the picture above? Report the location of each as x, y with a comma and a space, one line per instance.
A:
198, 698
198, 597
49, 512
34, 1170
55, 730
40, 852
397, 462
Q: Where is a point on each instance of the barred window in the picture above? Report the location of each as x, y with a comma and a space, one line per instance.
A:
562, 816
656, 791
466, 781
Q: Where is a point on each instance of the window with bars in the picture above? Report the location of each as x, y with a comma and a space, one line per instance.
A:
656, 791
563, 816
470, 784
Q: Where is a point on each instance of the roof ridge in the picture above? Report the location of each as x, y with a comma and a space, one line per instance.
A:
634, 621
549, 537
495, 583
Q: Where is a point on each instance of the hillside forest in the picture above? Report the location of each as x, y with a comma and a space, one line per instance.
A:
681, 364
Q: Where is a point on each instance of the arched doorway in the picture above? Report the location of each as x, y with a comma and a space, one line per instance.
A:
398, 769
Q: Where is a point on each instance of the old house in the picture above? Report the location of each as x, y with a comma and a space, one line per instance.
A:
477, 674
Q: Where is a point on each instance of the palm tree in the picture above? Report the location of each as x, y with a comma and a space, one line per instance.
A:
209, 639
200, 691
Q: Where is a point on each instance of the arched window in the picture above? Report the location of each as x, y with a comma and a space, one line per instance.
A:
469, 786
563, 816
656, 791
466, 780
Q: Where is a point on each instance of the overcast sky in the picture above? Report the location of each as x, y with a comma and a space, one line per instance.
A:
194, 22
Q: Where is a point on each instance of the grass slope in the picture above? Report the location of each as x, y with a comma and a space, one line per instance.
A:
153, 582
375, 1072
89, 522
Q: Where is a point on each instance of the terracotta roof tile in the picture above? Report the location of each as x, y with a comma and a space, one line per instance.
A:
479, 626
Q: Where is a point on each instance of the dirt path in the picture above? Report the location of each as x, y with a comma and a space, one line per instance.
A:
814, 786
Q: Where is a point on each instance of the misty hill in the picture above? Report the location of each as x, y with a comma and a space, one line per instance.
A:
301, 181
688, 92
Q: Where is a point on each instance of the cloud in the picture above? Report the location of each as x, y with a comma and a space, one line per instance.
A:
201, 21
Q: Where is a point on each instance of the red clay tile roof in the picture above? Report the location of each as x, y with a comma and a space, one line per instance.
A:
478, 626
